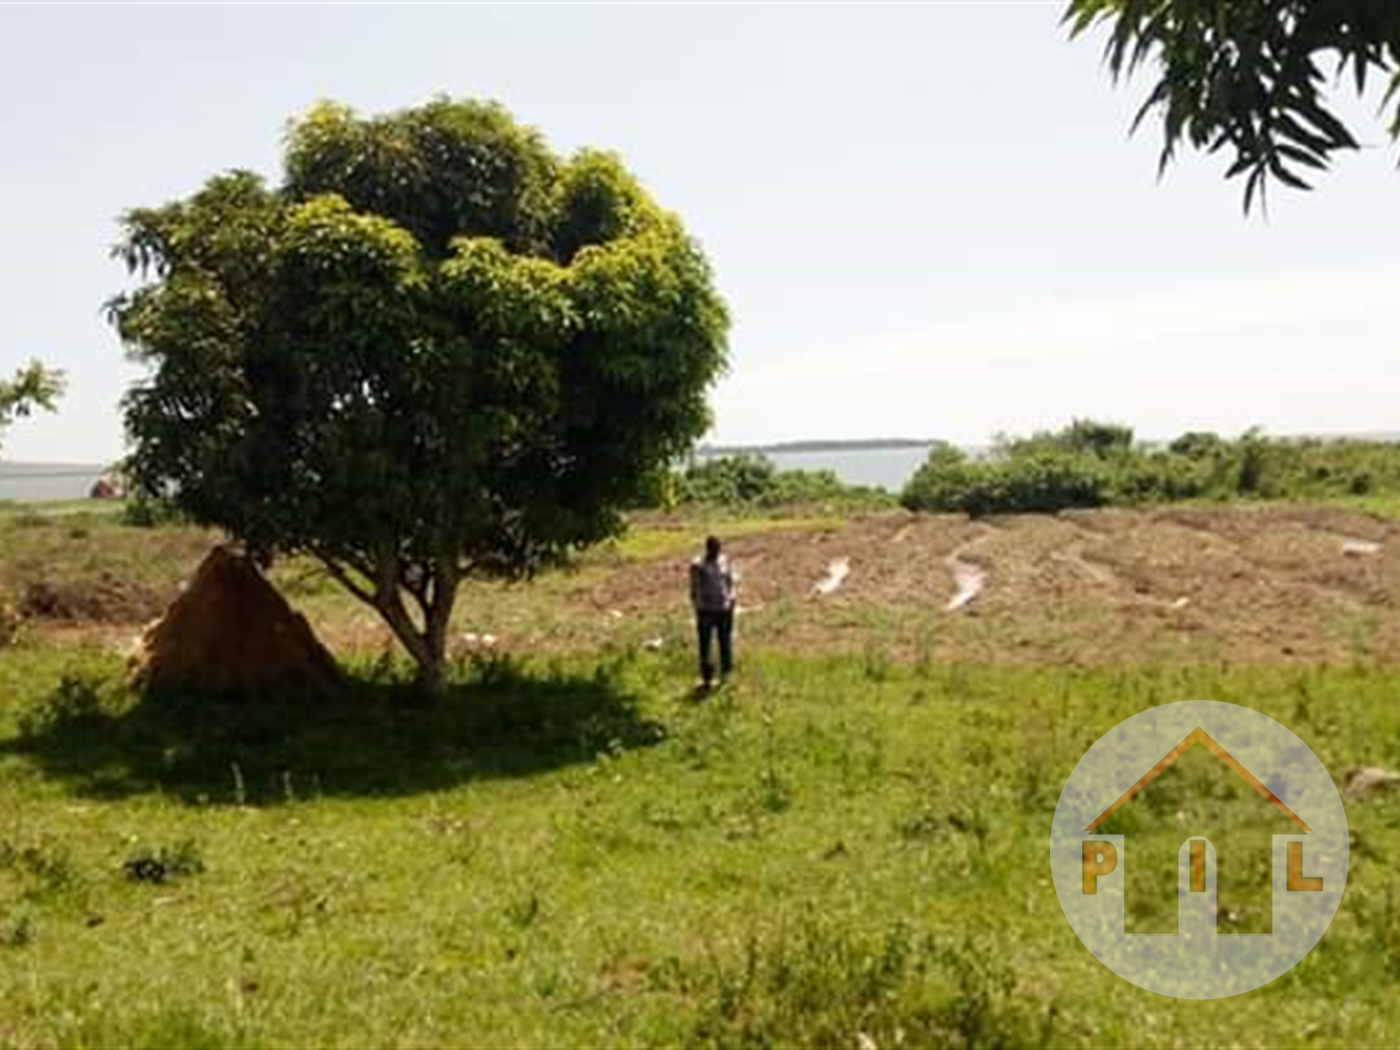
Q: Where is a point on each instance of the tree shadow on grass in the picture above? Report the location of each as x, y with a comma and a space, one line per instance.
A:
371, 741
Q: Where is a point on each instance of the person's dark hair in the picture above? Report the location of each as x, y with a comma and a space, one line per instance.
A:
712, 547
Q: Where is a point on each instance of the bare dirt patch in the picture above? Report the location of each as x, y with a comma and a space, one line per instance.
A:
72, 571
106, 599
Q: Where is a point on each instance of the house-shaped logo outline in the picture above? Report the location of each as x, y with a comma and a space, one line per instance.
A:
1198, 736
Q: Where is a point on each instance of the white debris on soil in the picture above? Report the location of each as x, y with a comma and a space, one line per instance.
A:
836, 573
479, 641
1356, 547
653, 645
1357, 783
616, 614
1181, 603
969, 580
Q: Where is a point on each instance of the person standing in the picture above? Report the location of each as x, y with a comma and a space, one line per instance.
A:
712, 596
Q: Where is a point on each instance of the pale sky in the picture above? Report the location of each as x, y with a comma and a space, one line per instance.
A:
927, 221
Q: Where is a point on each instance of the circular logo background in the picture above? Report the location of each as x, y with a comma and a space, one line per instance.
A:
1155, 791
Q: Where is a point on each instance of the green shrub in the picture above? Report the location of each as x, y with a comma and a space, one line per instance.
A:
728, 480
1040, 481
148, 512
754, 481
165, 863
1159, 477
942, 482
1199, 445
1090, 464
1082, 437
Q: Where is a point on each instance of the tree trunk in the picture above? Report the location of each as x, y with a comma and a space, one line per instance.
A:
435, 596
432, 677
428, 645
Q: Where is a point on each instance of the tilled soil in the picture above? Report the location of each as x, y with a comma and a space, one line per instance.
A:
1264, 583
894, 558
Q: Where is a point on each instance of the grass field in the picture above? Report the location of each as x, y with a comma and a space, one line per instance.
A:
847, 848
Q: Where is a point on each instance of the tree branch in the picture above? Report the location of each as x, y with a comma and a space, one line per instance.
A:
346, 580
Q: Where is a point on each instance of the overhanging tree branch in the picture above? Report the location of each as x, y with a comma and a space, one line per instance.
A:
1244, 74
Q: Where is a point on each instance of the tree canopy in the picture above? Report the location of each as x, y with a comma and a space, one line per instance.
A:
436, 349
1248, 76
33, 386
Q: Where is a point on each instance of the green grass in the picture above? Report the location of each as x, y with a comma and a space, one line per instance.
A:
580, 853
87, 543
1383, 506
61, 507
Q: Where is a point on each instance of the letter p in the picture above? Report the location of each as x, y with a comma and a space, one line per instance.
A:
1100, 858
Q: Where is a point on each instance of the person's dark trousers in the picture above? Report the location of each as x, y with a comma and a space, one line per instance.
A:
709, 624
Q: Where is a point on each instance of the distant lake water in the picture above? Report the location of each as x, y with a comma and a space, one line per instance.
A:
47, 481
887, 468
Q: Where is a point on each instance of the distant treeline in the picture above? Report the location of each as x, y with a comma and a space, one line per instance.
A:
1085, 464
1094, 464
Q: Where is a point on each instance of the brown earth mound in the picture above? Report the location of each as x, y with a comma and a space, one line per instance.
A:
230, 630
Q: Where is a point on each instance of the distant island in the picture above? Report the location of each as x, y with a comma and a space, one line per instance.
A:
852, 445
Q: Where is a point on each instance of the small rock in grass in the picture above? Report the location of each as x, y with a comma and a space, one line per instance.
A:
1359, 782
